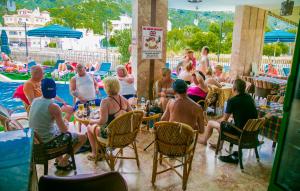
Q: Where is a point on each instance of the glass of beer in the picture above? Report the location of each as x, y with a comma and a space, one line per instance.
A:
81, 108
93, 105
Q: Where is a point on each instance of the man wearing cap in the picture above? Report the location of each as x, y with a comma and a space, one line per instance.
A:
84, 87
45, 117
183, 109
32, 90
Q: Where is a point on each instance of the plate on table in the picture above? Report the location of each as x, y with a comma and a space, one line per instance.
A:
264, 107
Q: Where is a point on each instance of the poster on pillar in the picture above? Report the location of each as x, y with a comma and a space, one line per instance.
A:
152, 42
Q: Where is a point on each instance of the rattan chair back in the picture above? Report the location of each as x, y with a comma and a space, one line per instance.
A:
174, 139
123, 130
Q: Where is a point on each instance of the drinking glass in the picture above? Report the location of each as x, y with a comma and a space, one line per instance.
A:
81, 108
93, 105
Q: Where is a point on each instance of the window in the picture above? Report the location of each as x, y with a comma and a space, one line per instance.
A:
12, 33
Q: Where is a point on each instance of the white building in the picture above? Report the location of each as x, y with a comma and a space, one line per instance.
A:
33, 18
16, 38
88, 42
125, 22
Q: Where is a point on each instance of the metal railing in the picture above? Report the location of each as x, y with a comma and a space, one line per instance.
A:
113, 57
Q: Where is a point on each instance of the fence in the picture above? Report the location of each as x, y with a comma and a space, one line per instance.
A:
114, 58
71, 55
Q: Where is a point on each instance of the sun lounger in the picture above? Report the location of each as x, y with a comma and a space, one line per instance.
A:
103, 70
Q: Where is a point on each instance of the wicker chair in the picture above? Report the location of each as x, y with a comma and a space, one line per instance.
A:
210, 100
173, 140
8, 122
247, 140
42, 152
121, 133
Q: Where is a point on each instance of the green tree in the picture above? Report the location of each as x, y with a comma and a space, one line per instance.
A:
175, 40
269, 50
123, 40
200, 39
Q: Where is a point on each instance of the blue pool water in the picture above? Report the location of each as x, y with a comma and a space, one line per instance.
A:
7, 90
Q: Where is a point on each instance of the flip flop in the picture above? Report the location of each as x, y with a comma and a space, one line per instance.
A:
92, 158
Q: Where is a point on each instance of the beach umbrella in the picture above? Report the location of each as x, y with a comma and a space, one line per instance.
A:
4, 40
55, 31
279, 36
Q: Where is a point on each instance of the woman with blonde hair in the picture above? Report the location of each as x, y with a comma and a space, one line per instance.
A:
198, 89
111, 107
126, 82
164, 88
186, 71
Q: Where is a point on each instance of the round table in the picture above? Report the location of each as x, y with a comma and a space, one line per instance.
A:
84, 120
225, 94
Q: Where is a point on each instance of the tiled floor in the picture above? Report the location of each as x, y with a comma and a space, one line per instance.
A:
208, 172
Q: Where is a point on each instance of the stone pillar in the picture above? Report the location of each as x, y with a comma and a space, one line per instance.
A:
141, 16
247, 39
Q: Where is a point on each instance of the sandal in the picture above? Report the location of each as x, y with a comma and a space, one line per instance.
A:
92, 157
68, 167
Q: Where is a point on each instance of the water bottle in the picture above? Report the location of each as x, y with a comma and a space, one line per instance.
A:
143, 102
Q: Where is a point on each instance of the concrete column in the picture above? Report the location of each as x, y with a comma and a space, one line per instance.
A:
247, 39
141, 10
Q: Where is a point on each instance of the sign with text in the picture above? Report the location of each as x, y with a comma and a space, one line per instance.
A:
152, 43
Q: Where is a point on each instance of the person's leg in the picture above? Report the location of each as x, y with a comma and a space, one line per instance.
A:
68, 110
209, 130
90, 133
78, 141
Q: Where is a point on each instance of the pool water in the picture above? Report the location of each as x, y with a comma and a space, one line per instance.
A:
7, 90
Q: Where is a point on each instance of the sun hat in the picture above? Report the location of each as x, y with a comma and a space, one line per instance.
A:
180, 86
48, 88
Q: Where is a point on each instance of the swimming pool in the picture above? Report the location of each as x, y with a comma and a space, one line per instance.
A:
7, 90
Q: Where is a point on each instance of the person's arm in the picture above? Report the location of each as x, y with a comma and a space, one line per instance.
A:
129, 108
55, 112
159, 91
129, 79
57, 98
166, 115
96, 85
74, 92
179, 65
28, 91
103, 112
228, 111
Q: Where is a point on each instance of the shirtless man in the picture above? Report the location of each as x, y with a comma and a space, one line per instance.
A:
204, 64
183, 109
32, 89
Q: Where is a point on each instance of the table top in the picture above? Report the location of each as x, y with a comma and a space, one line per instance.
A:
271, 80
86, 119
15, 161
275, 109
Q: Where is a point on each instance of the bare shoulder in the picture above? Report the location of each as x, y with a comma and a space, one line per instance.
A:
28, 83
54, 109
